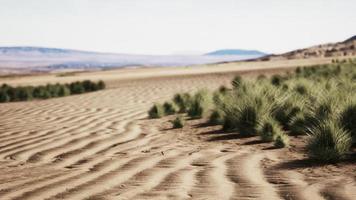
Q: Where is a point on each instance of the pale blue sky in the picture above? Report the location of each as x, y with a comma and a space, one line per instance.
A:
175, 26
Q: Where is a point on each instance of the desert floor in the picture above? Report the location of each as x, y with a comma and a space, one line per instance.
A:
101, 145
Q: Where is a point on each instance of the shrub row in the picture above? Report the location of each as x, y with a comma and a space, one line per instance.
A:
26, 93
318, 101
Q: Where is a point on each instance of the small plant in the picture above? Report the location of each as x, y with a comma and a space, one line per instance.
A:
216, 117
182, 101
269, 130
169, 108
328, 142
276, 80
301, 89
200, 104
281, 140
178, 122
348, 120
4, 97
156, 111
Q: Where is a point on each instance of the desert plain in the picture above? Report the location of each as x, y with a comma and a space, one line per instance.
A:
101, 145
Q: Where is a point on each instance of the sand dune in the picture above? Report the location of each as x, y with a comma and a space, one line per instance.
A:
102, 146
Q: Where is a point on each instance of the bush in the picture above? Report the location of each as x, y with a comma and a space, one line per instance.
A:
281, 140
276, 80
301, 89
178, 122
77, 88
63, 91
169, 108
24, 93
348, 120
269, 130
8, 93
216, 118
242, 118
4, 97
298, 125
284, 111
328, 142
200, 104
182, 101
156, 111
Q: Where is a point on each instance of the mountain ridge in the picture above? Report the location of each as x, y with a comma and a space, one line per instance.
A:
236, 52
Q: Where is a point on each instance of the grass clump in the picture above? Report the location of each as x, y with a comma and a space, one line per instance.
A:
156, 111
243, 113
216, 117
169, 108
328, 142
281, 140
269, 130
348, 120
182, 101
200, 104
178, 122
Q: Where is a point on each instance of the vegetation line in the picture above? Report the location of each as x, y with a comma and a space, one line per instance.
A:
317, 101
27, 93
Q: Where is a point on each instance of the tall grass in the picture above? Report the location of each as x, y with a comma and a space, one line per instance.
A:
200, 104
317, 101
328, 142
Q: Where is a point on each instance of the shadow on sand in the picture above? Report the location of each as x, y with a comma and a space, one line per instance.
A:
309, 163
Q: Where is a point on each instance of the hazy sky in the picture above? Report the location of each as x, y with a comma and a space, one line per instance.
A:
175, 26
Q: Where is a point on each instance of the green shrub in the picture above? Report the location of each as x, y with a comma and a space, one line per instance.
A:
178, 122
8, 93
301, 89
169, 108
41, 93
4, 97
24, 93
348, 119
269, 130
63, 91
156, 111
242, 118
298, 124
182, 101
216, 118
276, 80
281, 140
76, 88
200, 104
284, 111
328, 142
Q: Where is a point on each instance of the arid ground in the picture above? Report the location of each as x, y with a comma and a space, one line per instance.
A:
101, 145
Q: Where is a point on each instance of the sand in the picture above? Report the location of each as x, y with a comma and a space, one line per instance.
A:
102, 146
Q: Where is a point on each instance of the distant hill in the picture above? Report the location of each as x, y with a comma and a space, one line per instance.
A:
345, 48
28, 59
240, 52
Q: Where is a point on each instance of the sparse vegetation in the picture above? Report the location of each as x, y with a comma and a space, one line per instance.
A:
200, 104
328, 142
178, 122
156, 111
317, 102
169, 108
26, 93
